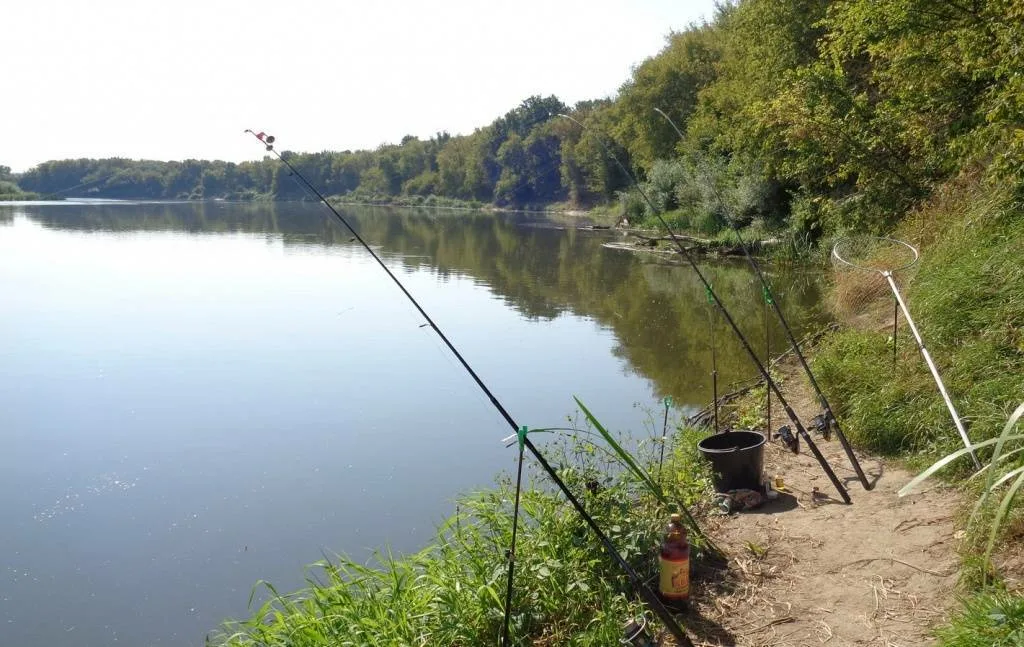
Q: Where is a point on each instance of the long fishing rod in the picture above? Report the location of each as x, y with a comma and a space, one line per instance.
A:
714, 357
767, 356
830, 417
739, 334
645, 592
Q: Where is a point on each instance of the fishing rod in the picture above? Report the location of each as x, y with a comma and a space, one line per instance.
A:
714, 357
525, 443
664, 433
830, 418
802, 433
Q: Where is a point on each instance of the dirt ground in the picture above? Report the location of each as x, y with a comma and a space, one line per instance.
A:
808, 570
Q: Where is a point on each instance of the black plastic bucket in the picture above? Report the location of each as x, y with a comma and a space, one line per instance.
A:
737, 459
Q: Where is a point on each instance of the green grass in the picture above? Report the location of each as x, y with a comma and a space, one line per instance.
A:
567, 591
986, 620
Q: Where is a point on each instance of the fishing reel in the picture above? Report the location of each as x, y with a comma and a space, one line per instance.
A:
268, 140
821, 424
788, 438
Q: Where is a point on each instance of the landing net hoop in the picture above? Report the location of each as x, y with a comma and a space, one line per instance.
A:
875, 254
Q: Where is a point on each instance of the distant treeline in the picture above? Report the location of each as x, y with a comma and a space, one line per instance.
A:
808, 113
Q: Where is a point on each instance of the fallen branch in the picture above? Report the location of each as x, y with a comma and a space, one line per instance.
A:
777, 621
893, 559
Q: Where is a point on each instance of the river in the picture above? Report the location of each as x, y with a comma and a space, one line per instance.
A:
198, 396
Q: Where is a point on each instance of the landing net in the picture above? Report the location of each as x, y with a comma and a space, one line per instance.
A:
861, 263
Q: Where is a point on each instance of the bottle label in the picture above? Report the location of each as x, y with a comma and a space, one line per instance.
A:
675, 578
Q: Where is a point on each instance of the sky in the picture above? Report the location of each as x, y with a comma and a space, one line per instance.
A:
172, 80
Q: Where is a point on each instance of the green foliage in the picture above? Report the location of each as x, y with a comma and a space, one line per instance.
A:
146, 179
664, 183
588, 170
635, 470
9, 190
709, 192
989, 619
670, 81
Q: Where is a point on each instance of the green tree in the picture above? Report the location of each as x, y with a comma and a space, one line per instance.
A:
670, 81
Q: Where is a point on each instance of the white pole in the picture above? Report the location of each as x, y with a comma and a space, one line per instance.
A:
931, 367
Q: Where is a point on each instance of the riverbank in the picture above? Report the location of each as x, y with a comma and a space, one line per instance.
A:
967, 295
807, 569
567, 590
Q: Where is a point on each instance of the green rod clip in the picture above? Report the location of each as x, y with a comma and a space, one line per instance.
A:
767, 295
522, 437
710, 295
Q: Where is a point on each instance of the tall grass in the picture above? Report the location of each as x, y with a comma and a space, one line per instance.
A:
986, 620
967, 298
567, 591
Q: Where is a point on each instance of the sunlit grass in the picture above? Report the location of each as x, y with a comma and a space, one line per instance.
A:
986, 620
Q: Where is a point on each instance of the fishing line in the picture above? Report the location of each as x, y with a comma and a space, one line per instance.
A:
644, 591
767, 353
725, 313
104, 178
830, 418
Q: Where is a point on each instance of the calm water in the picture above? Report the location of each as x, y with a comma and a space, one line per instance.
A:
194, 397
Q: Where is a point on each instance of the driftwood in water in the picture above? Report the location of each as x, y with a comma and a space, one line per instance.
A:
689, 239
703, 245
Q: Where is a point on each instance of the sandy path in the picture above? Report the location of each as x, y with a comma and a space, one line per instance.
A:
808, 570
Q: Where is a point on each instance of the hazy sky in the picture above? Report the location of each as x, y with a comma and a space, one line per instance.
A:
176, 79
